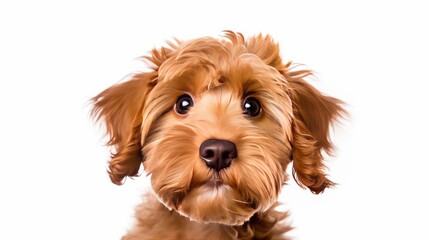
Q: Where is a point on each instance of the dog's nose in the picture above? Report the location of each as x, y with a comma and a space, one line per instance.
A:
217, 153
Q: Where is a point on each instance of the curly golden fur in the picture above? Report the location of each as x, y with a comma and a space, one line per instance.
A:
218, 75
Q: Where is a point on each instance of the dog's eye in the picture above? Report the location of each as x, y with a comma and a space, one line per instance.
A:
183, 104
251, 107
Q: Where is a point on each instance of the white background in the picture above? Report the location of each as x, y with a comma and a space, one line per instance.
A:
56, 55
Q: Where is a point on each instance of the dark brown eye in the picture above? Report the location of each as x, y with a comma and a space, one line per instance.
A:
251, 107
183, 104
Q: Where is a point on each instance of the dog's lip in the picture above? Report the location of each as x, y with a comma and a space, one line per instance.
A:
216, 180
216, 177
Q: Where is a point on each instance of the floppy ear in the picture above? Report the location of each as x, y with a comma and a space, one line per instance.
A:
314, 113
120, 107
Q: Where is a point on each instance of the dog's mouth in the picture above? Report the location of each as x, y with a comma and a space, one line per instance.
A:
216, 180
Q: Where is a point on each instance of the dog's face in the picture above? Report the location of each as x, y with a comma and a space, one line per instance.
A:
215, 124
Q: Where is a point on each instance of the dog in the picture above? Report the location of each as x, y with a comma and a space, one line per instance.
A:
215, 123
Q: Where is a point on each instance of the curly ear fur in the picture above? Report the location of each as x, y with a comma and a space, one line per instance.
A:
120, 106
314, 113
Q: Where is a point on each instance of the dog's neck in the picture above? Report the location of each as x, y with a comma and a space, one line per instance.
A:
154, 219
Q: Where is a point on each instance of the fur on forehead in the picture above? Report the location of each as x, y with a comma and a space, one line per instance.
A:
218, 57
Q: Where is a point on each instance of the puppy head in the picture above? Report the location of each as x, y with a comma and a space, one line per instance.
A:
215, 123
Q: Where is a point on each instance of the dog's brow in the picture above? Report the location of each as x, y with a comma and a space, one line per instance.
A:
251, 86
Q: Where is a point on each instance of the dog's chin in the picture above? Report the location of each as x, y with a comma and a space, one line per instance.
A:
215, 203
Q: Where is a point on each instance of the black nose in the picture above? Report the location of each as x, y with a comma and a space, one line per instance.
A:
218, 154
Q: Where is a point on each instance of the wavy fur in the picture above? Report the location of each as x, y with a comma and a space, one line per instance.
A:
218, 74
